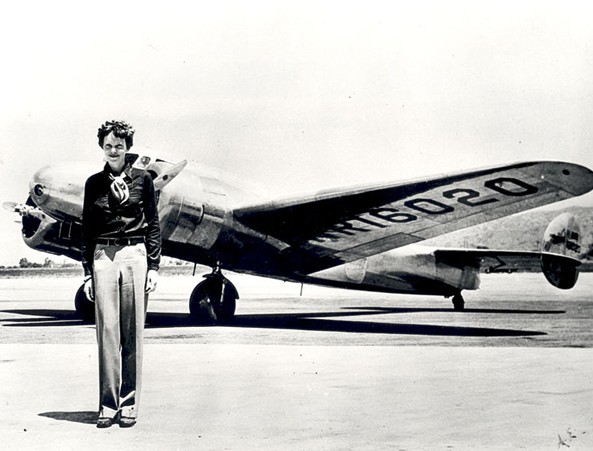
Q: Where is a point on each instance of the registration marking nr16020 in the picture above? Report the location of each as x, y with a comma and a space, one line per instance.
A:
412, 209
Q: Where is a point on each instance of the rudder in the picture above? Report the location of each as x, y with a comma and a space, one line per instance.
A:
562, 238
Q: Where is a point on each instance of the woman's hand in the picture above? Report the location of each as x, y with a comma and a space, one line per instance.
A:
89, 289
152, 278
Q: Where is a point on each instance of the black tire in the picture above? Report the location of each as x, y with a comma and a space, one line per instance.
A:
84, 307
197, 300
205, 304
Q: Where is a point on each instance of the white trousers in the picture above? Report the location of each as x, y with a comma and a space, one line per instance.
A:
119, 276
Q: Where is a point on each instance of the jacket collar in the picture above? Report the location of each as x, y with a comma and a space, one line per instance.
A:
127, 171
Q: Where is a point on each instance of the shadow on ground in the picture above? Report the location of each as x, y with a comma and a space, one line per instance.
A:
307, 321
74, 417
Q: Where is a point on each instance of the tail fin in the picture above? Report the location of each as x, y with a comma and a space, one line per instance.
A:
562, 237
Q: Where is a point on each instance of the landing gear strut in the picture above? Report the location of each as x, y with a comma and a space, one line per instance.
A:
458, 302
214, 299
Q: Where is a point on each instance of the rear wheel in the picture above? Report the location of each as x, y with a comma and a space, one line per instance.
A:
458, 302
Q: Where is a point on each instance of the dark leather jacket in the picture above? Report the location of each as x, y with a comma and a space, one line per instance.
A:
103, 216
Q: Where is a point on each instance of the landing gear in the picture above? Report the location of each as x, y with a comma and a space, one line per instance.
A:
458, 302
214, 299
84, 307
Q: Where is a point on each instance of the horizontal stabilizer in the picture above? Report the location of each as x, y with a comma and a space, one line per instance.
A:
491, 260
559, 259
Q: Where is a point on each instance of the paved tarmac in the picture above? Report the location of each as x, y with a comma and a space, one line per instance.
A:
332, 369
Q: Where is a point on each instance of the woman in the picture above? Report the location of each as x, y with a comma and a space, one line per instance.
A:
121, 250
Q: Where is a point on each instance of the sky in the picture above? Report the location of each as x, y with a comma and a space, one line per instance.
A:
297, 96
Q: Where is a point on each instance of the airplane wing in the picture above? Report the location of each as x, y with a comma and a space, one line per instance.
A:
488, 261
335, 227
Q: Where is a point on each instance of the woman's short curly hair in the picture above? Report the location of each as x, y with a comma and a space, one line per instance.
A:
120, 129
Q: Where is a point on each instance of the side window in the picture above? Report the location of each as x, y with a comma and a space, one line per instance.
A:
142, 162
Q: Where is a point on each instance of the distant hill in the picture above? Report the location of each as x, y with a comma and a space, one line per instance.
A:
523, 231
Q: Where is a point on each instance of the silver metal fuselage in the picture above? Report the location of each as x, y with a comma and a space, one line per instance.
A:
198, 225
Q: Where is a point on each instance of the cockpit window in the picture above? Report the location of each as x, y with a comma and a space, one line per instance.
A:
142, 162
154, 166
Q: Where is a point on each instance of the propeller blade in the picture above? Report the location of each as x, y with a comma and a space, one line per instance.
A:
24, 210
10, 206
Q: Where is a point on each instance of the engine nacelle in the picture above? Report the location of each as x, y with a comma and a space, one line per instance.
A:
44, 233
562, 238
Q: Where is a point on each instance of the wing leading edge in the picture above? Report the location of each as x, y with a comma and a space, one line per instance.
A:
331, 228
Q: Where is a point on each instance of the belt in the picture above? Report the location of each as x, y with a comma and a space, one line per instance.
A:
126, 241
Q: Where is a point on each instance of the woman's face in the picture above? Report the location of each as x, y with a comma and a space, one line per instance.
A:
115, 150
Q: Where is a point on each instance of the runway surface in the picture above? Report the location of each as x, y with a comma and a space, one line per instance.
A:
330, 369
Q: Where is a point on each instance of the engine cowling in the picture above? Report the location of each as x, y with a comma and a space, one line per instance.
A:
562, 238
44, 233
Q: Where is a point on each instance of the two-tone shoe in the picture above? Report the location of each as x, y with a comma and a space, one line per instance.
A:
104, 422
126, 422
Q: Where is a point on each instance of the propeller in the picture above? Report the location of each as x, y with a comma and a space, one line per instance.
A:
11, 206
23, 210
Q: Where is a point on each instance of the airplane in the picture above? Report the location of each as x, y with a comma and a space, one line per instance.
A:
360, 237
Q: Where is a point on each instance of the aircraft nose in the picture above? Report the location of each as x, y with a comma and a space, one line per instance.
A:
58, 190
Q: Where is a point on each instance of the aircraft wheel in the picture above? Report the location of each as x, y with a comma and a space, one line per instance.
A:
84, 307
205, 302
458, 302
